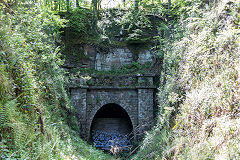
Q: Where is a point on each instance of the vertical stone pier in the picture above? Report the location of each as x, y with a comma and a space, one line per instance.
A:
134, 93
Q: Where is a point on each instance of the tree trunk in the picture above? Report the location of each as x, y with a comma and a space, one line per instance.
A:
68, 5
77, 4
95, 14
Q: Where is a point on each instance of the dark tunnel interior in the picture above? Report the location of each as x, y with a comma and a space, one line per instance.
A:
111, 124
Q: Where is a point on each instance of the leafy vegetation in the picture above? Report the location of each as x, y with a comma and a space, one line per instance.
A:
80, 22
210, 76
198, 98
197, 45
36, 116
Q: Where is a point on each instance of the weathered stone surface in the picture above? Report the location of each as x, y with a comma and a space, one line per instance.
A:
127, 99
88, 56
145, 57
116, 58
110, 81
145, 109
79, 97
136, 98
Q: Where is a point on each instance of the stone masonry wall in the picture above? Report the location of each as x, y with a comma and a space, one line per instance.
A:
127, 99
135, 97
79, 97
145, 109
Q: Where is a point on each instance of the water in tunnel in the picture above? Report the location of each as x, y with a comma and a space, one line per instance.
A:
111, 126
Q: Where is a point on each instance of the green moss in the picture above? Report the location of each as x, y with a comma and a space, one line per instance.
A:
119, 43
134, 68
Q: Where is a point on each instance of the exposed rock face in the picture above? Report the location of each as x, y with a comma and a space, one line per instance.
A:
134, 94
116, 58
88, 56
145, 57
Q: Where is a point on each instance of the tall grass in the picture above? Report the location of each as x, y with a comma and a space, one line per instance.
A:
199, 102
210, 74
37, 118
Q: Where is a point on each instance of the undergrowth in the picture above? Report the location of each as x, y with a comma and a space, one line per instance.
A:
207, 124
37, 118
198, 99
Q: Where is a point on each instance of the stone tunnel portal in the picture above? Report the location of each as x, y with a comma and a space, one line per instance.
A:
111, 126
96, 103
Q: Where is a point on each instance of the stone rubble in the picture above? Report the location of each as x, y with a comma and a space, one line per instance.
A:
104, 140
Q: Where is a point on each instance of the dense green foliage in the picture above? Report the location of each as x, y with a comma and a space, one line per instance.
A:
199, 96
197, 44
209, 116
80, 22
36, 116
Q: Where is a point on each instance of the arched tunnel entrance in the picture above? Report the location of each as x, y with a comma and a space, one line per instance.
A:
111, 126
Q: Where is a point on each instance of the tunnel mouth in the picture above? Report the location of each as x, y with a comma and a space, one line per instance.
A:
111, 126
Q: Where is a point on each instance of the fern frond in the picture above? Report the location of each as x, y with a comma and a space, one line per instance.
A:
2, 115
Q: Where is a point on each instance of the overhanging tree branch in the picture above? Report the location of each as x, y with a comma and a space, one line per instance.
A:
8, 8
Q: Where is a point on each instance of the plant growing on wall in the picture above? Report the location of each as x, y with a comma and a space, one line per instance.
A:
136, 25
80, 22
